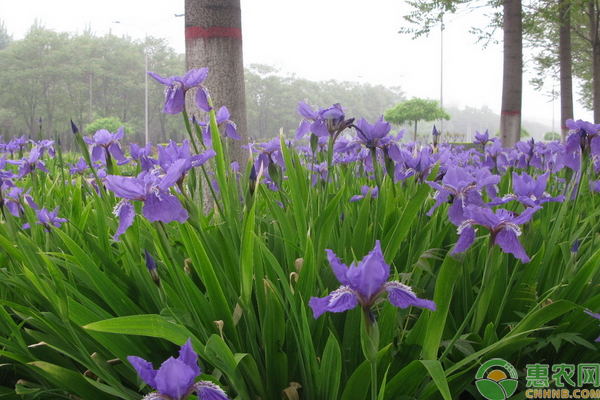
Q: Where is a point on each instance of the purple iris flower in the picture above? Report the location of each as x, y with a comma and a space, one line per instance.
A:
47, 219
416, 162
175, 379
4, 174
15, 198
583, 135
351, 156
45, 145
309, 117
142, 155
482, 139
459, 188
173, 154
565, 159
364, 190
320, 171
17, 144
502, 224
153, 190
495, 156
345, 145
269, 153
79, 168
375, 135
176, 86
329, 122
363, 284
105, 143
529, 191
531, 154
30, 163
222, 118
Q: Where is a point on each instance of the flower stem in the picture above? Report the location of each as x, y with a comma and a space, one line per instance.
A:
188, 128
374, 380
376, 168
370, 345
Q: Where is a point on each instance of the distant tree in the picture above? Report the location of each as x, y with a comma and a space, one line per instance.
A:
429, 13
272, 99
552, 136
111, 124
271, 102
415, 110
39, 63
84, 77
470, 120
5, 38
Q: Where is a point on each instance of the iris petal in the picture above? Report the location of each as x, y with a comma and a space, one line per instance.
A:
174, 378
209, 391
144, 370
124, 210
189, 356
509, 243
164, 207
402, 296
368, 276
339, 300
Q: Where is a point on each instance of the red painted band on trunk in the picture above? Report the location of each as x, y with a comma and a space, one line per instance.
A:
198, 32
511, 112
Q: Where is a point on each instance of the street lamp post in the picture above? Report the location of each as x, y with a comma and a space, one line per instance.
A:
146, 103
442, 73
146, 90
146, 135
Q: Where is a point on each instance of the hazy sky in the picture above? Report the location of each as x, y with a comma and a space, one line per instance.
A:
352, 40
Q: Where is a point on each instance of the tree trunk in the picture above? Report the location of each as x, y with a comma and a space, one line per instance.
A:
566, 74
416, 130
593, 13
213, 39
512, 81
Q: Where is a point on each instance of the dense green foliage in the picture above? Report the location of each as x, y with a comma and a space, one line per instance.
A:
58, 77
86, 78
552, 136
111, 124
74, 302
5, 38
272, 99
414, 110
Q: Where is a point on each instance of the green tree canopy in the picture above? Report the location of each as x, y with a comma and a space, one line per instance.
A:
272, 98
5, 38
415, 110
111, 124
552, 136
60, 76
